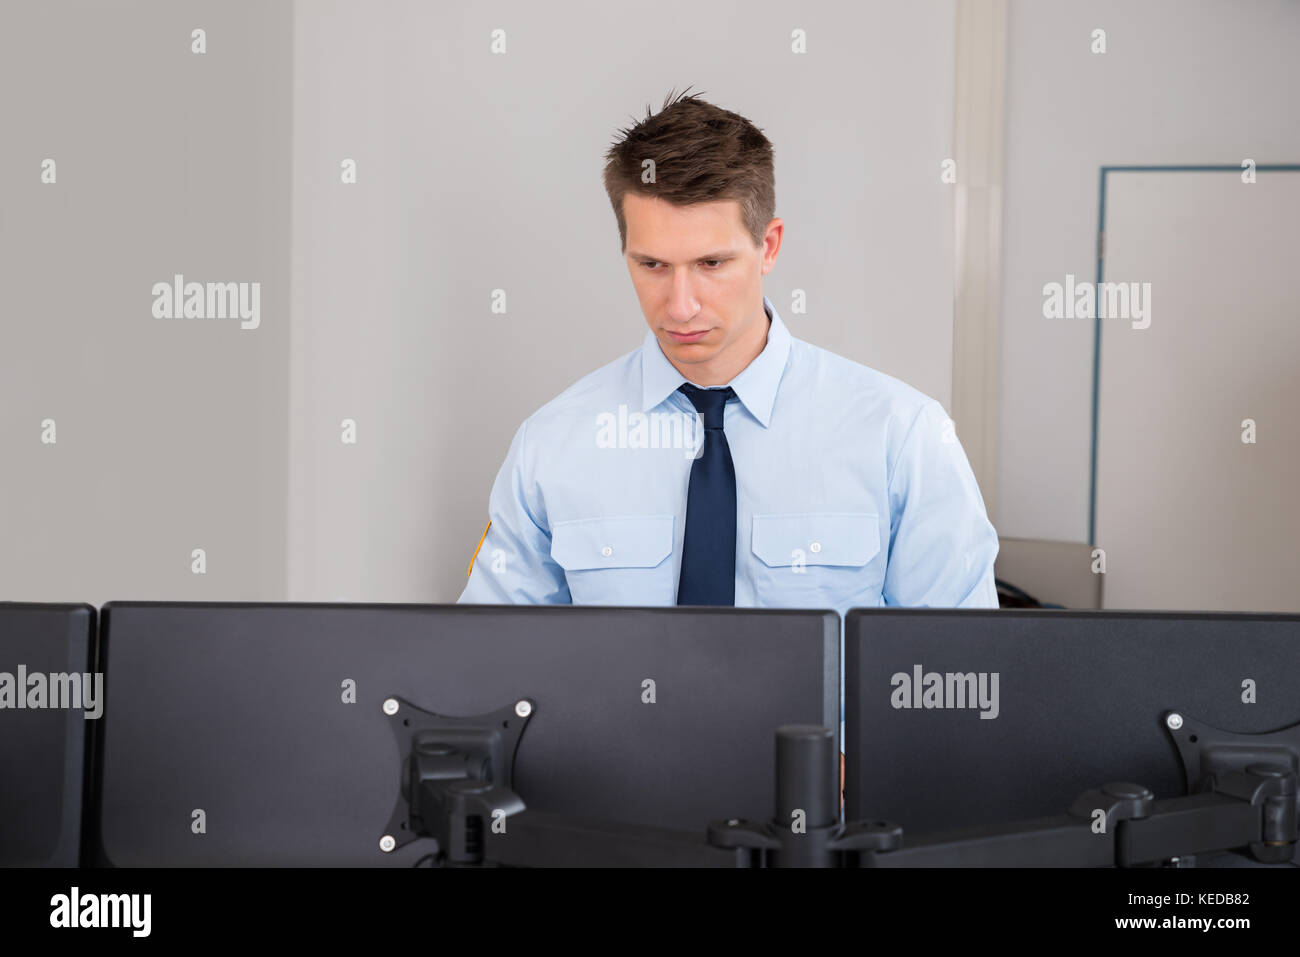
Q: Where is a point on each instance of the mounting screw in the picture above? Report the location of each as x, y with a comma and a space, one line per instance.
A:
386, 843
390, 706
523, 709
1175, 721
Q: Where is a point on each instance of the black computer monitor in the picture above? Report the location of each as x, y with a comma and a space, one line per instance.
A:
1074, 699
47, 699
232, 719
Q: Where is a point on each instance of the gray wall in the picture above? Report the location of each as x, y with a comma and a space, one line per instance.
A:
171, 434
1189, 515
479, 172
1182, 81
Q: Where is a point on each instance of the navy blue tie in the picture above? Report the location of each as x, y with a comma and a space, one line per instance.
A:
709, 547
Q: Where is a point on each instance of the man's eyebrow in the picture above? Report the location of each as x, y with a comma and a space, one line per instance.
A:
721, 254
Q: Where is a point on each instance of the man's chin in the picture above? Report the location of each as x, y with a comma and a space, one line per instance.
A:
690, 351
695, 349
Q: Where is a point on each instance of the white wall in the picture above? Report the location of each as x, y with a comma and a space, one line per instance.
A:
479, 172
1182, 81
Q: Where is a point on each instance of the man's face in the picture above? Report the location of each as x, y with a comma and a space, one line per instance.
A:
699, 279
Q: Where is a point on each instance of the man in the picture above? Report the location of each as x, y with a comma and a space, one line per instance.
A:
814, 482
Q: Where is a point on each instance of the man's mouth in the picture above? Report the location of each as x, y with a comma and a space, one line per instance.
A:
688, 336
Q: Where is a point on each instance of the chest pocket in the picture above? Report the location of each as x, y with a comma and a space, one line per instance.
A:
818, 559
616, 561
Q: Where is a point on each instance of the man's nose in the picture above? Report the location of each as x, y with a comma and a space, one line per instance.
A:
682, 304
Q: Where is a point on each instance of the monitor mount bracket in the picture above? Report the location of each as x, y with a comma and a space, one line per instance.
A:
1213, 757
457, 773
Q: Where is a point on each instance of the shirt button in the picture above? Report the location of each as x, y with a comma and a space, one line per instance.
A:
607, 551
815, 547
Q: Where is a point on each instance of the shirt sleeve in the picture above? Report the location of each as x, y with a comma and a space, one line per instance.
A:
941, 543
513, 565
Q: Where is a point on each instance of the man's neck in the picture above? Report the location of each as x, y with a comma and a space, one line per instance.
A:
725, 368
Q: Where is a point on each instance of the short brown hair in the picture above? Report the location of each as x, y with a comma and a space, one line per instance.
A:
701, 154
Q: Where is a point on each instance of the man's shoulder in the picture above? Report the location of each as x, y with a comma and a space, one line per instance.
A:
601, 390
867, 390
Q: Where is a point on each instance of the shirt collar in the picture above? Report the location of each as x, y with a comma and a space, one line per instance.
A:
755, 386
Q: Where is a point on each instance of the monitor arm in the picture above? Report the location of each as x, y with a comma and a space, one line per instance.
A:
456, 789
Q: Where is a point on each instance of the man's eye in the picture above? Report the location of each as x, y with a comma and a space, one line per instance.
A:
651, 264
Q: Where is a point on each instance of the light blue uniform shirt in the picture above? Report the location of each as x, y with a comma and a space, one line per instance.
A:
851, 490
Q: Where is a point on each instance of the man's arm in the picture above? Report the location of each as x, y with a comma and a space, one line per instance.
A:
941, 543
513, 564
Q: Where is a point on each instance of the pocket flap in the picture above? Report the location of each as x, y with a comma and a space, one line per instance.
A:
820, 538
633, 541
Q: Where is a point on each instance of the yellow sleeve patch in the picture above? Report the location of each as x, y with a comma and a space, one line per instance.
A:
469, 571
